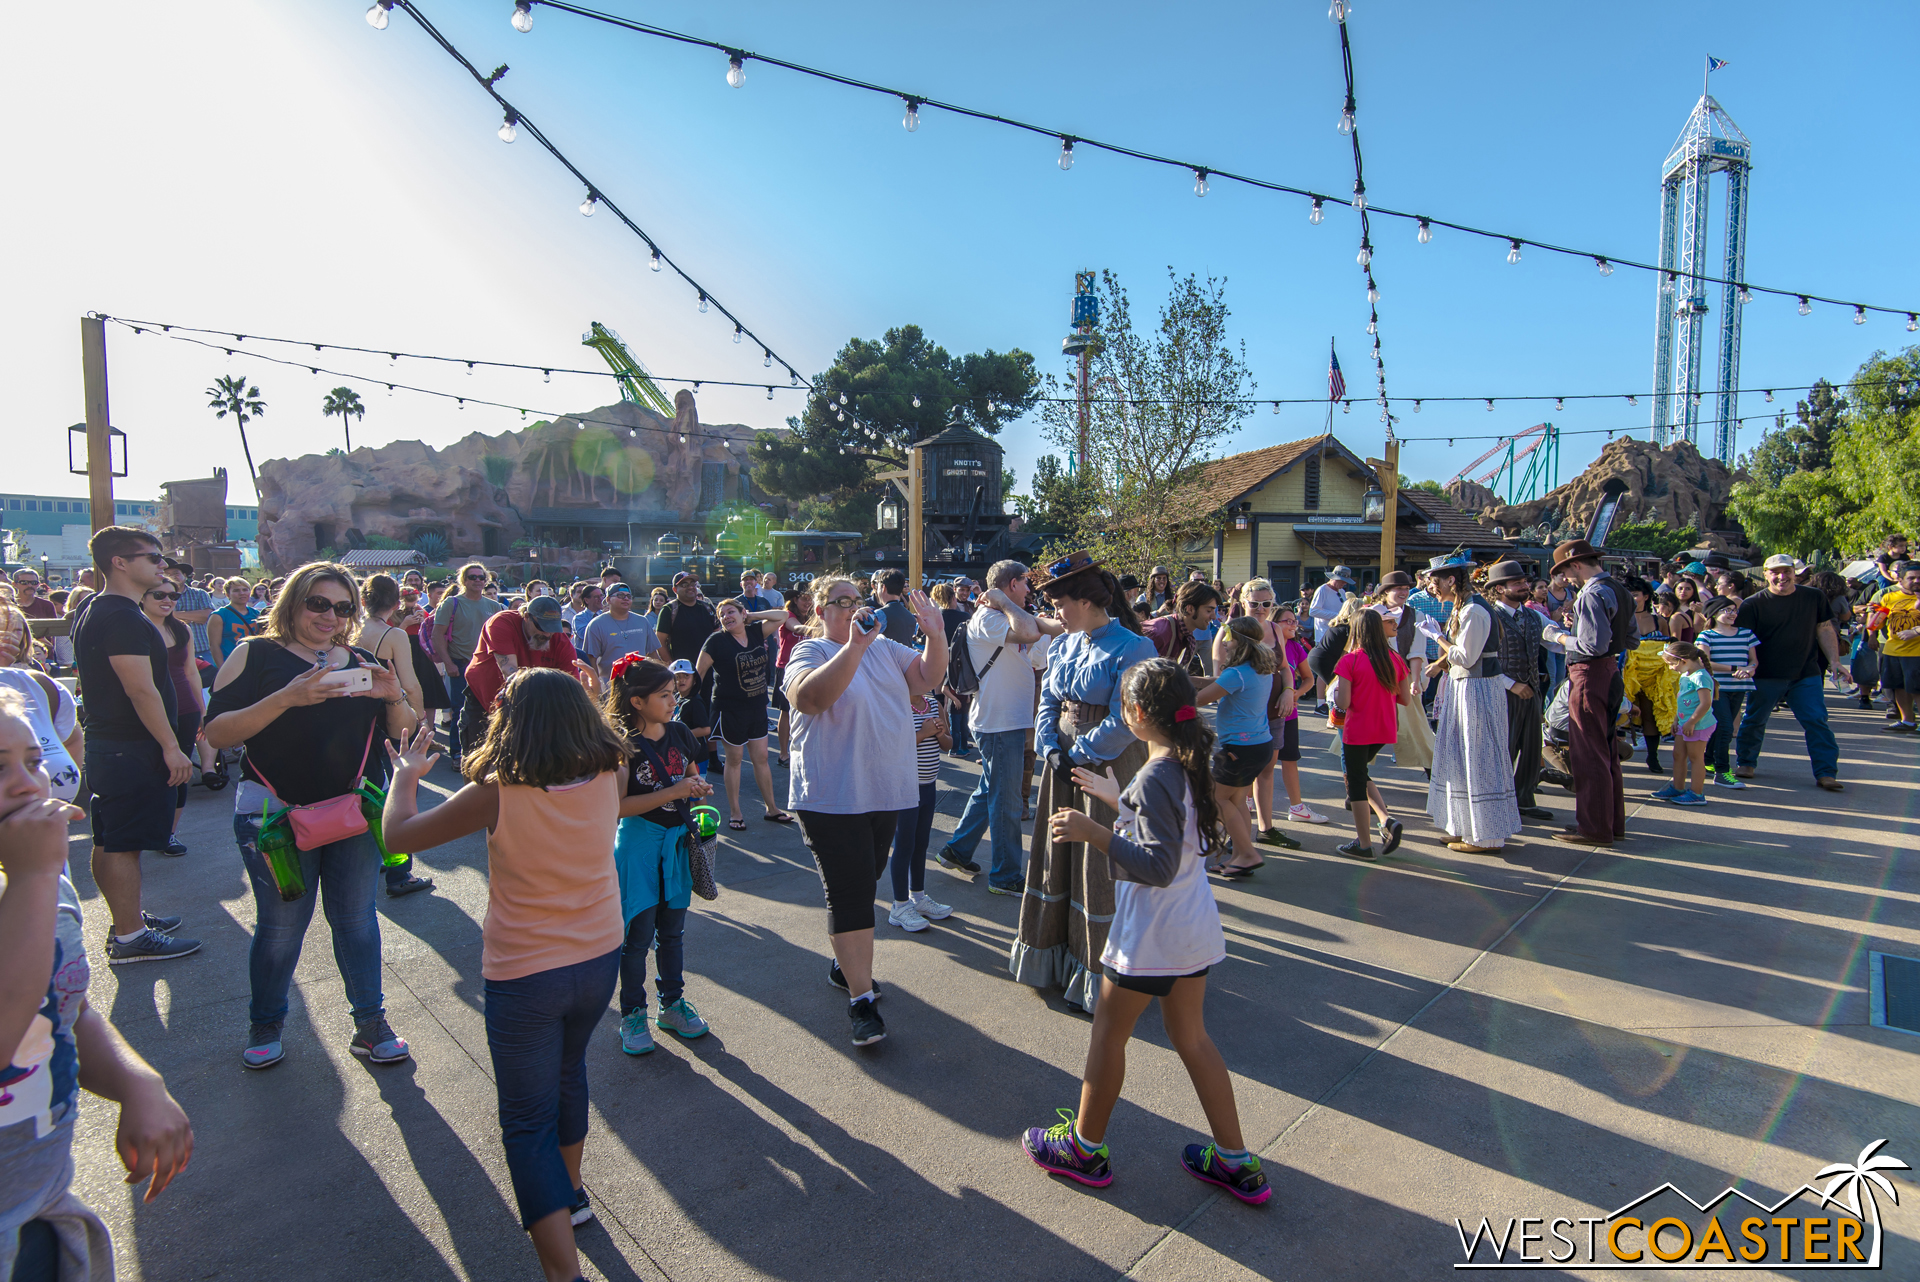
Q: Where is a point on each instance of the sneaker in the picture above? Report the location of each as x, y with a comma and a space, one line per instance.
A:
376, 1042
1017, 888
839, 981
149, 945
164, 925
635, 1037
949, 858
1903, 727
1391, 830
929, 907
263, 1046
395, 889
1355, 850
1689, 798
1245, 1181
1274, 837
682, 1019
868, 1027
1053, 1150
1305, 814
582, 1209
1727, 779
907, 918
173, 847
1668, 793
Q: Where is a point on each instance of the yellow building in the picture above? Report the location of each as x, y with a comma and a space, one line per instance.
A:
1293, 511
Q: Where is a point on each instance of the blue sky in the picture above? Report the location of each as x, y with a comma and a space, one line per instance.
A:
286, 169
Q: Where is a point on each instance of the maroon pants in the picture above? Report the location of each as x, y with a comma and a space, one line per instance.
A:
1599, 790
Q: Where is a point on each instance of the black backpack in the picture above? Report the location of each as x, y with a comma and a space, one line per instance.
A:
961, 677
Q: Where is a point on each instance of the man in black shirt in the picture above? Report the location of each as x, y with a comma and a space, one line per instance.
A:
896, 619
687, 621
134, 762
1795, 625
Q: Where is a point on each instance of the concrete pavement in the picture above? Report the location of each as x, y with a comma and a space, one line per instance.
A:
1549, 1032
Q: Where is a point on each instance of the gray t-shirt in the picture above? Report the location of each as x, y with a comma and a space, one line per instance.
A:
606, 639
857, 757
468, 617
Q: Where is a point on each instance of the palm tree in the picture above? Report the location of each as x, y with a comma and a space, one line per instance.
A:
1862, 1174
344, 401
231, 395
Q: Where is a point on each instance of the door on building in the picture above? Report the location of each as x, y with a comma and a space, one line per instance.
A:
489, 540
1285, 577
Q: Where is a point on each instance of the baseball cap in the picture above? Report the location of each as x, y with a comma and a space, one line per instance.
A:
1780, 561
687, 575
545, 613
617, 589
680, 667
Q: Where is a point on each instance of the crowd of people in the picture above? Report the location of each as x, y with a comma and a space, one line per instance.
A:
1138, 727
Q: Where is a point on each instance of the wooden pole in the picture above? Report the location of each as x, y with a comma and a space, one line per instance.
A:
916, 523
93, 370
1390, 487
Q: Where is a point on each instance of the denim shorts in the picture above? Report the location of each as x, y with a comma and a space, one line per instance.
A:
132, 800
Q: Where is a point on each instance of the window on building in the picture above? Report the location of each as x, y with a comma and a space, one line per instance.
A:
60, 507
32, 506
14, 504
1312, 478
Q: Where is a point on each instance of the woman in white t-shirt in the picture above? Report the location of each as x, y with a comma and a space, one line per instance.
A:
56, 723
851, 690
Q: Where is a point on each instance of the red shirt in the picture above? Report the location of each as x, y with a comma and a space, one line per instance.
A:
1372, 713
505, 633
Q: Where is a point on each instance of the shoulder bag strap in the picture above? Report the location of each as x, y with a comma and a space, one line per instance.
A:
660, 766
364, 754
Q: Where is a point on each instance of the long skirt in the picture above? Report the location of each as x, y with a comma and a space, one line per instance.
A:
1068, 903
1471, 796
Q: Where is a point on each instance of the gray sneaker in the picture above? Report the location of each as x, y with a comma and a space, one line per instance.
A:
263, 1047
635, 1037
149, 945
377, 1043
683, 1019
161, 924
1355, 850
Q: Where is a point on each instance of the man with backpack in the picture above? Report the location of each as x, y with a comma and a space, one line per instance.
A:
993, 668
687, 621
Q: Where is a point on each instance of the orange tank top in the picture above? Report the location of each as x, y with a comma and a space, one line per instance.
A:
553, 897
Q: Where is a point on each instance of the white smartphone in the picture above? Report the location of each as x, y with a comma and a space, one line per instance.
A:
348, 680
865, 621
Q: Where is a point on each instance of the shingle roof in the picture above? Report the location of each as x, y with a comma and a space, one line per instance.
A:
1228, 479
1457, 528
381, 558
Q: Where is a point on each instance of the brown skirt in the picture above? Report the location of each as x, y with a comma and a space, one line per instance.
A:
1068, 902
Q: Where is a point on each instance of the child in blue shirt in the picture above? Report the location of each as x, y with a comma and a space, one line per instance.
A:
1693, 724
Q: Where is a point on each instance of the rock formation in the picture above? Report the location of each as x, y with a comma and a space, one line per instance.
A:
1676, 486
480, 495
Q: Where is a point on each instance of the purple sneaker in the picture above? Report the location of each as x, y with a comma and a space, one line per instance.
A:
1245, 1181
1053, 1151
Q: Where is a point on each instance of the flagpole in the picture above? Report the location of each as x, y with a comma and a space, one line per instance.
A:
1333, 355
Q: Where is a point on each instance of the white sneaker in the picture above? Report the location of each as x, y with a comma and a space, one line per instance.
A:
1305, 814
929, 907
907, 917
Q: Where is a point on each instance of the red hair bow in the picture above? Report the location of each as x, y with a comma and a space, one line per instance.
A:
622, 664
1185, 712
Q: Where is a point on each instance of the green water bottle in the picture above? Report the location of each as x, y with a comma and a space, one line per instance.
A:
706, 821
373, 803
275, 844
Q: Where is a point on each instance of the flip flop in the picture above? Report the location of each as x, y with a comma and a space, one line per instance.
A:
738, 825
777, 817
1246, 870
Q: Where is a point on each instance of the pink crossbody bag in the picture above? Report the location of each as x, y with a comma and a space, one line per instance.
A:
325, 822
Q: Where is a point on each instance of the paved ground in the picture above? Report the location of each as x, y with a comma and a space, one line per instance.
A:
1436, 1036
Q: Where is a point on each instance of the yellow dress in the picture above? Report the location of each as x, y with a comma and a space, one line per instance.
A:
1647, 673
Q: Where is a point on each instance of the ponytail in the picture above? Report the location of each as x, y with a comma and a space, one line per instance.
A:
1160, 688
1099, 588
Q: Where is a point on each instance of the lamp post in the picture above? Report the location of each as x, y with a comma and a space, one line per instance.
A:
1389, 495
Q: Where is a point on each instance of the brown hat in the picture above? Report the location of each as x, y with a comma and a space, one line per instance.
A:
1506, 571
1395, 579
1045, 578
1573, 550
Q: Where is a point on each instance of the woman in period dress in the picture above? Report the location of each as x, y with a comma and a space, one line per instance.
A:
1471, 795
1069, 897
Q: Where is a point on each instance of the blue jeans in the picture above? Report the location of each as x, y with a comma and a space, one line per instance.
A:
664, 930
1726, 715
1809, 706
1556, 672
911, 833
457, 692
957, 714
538, 1027
995, 807
344, 874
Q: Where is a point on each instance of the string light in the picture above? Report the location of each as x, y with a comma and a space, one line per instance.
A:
546, 376
1365, 256
1559, 405
507, 131
1317, 213
911, 121
1373, 323
1769, 396
1066, 154
1745, 295
766, 359
1373, 291
1346, 120
736, 70
1513, 251
703, 300
1859, 314
1199, 182
653, 260
377, 16
736, 332
1806, 308
1635, 400
522, 16
1913, 322
769, 393
1606, 268
1666, 283
1425, 234
1276, 407
1359, 196
916, 402
586, 206
1416, 407
1489, 406
469, 369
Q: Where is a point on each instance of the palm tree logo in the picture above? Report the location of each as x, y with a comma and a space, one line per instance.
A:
231, 395
344, 402
1862, 1174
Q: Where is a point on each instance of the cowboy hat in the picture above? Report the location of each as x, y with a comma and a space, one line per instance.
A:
1505, 572
1452, 561
1395, 579
1573, 550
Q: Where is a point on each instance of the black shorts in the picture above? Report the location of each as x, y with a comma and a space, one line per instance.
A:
1152, 985
132, 800
1354, 759
737, 724
851, 852
1286, 734
779, 693
1900, 671
1237, 765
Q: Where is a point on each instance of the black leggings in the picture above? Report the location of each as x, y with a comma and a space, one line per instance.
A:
851, 852
1355, 758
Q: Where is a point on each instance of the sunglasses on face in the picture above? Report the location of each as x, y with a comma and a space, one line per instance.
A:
1260, 605
320, 605
474, 578
164, 596
155, 557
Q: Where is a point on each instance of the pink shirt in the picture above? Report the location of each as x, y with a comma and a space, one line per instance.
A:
1372, 712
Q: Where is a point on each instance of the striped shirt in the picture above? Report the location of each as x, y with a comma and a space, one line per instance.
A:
927, 750
1731, 648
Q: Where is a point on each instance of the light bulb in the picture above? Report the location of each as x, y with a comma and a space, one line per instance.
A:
1745, 295
843, 398
377, 16
654, 260
1633, 400
389, 389
1346, 120
393, 359
1365, 256
1317, 213
1066, 154
469, 369
1606, 268
1425, 234
1359, 196
916, 402
1666, 284
736, 70
1513, 252
1489, 406
1199, 182
766, 359
839, 416
522, 16
507, 132
1337, 11
463, 403
1559, 405
1859, 314
792, 377
1416, 407
1769, 396
769, 393
736, 333
703, 302
586, 206
546, 376
1346, 407
911, 121
1276, 407
1913, 322
1806, 308
1373, 324
1373, 293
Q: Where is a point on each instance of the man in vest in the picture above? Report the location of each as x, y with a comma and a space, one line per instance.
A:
1509, 588
1595, 633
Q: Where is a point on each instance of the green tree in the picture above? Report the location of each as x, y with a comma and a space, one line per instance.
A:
1804, 446
231, 395
1651, 536
344, 402
1059, 501
1431, 486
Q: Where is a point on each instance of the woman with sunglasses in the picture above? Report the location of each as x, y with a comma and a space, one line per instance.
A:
852, 690
308, 740
158, 605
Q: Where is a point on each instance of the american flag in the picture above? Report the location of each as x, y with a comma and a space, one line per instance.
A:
1714, 64
1336, 385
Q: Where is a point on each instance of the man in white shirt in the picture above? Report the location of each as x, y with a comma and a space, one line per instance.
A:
998, 638
1325, 606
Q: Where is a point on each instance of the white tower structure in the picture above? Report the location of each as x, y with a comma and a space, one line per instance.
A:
1710, 143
